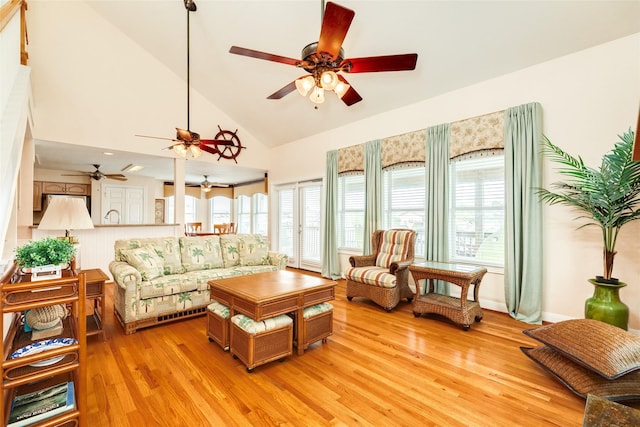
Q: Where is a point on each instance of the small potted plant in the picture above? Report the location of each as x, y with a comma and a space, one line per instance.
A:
607, 197
46, 255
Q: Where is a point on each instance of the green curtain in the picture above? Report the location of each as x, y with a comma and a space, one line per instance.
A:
372, 191
437, 198
523, 212
330, 263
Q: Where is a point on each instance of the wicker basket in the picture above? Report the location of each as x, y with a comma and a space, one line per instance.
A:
315, 327
255, 349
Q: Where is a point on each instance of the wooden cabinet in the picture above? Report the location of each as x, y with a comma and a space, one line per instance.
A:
66, 188
37, 196
57, 364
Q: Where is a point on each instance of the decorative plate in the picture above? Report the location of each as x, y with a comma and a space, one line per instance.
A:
40, 346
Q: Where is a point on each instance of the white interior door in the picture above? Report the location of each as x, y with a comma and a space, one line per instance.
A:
123, 204
299, 220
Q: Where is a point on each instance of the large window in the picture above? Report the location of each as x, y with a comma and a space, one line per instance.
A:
403, 201
252, 214
477, 210
350, 211
190, 209
220, 210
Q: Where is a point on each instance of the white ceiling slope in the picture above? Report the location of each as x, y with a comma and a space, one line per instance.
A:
459, 43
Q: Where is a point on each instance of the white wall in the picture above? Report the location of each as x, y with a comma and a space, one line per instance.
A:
587, 98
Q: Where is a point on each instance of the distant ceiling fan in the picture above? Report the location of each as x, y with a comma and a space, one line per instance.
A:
187, 141
324, 59
98, 174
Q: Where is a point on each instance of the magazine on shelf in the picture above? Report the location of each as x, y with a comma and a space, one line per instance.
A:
39, 405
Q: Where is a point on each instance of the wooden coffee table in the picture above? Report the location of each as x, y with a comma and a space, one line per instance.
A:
265, 295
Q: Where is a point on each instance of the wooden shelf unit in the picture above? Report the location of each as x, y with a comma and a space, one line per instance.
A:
17, 294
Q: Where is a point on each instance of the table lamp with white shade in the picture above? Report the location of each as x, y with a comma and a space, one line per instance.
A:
67, 213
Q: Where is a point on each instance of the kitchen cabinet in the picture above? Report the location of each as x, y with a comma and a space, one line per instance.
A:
66, 188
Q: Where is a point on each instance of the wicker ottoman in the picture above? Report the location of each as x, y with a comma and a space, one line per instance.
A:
257, 343
317, 324
218, 324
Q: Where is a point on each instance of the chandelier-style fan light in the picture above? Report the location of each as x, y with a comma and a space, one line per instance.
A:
324, 59
188, 142
206, 185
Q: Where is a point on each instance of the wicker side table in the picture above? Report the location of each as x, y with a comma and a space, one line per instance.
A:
459, 310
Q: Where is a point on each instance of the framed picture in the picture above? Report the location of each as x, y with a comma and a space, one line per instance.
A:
159, 211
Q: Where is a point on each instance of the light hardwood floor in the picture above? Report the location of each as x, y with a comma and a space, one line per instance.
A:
377, 369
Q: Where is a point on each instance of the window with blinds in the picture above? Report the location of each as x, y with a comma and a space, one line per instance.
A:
310, 222
260, 214
190, 209
286, 214
477, 203
350, 221
220, 210
243, 208
403, 201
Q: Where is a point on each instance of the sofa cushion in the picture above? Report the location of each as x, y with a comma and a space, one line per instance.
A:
166, 247
230, 254
603, 348
393, 247
146, 260
583, 381
167, 285
253, 249
374, 276
200, 252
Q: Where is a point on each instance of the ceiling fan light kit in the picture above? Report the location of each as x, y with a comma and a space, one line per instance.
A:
188, 142
324, 59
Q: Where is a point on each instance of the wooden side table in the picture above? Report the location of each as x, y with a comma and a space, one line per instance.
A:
95, 288
459, 310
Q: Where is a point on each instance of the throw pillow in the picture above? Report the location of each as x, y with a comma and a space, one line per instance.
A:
230, 253
145, 260
253, 250
603, 348
581, 380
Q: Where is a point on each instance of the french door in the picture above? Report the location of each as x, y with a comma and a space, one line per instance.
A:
299, 219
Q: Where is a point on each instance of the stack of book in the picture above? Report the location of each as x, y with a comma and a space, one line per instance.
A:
39, 405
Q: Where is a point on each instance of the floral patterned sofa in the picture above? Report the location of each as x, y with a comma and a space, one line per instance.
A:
158, 280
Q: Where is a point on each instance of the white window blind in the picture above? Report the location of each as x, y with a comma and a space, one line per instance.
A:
403, 201
311, 214
477, 210
350, 227
285, 221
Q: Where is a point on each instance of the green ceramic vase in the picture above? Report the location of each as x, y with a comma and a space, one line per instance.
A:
605, 305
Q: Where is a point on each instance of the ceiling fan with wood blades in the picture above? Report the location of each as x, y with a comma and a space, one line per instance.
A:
98, 174
187, 141
324, 59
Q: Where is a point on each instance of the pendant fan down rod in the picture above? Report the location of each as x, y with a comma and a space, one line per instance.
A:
190, 5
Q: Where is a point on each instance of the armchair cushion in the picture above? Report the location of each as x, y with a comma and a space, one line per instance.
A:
375, 276
394, 247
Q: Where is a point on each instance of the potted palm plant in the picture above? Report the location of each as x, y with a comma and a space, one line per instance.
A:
608, 198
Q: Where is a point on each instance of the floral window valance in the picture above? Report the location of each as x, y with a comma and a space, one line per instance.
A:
351, 159
480, 133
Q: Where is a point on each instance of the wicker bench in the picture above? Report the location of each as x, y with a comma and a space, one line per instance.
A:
257, 343
218, 324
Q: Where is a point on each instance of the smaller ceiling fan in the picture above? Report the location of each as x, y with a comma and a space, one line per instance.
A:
98, 174
187, 141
